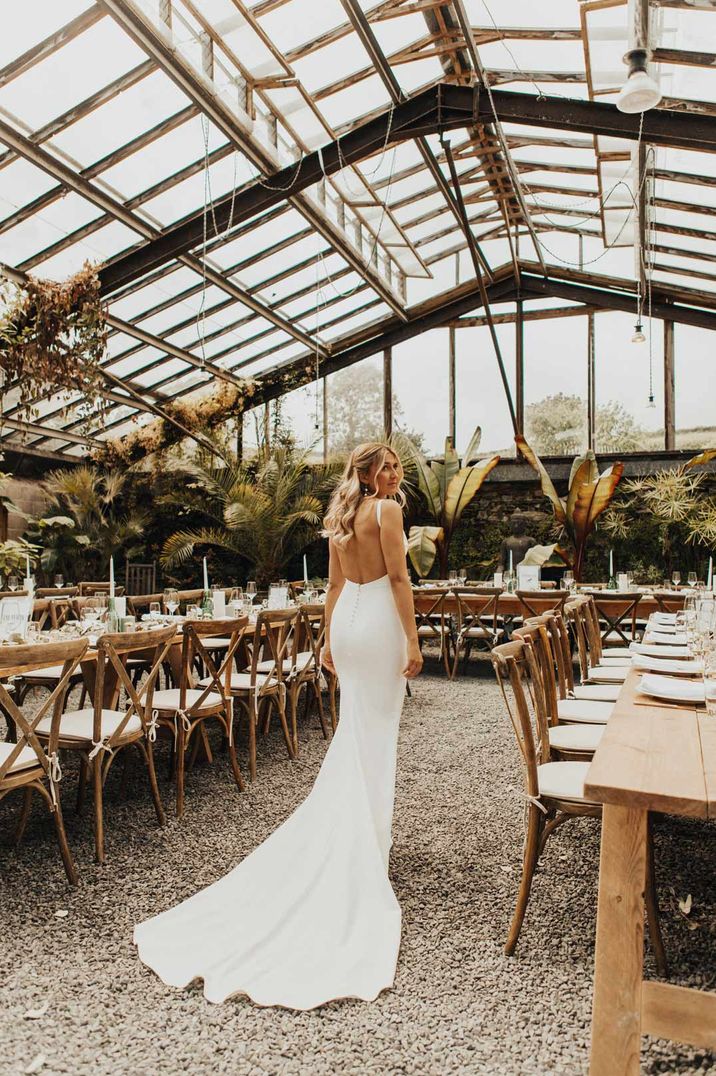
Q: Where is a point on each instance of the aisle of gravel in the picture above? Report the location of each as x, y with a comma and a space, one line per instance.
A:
458, 1006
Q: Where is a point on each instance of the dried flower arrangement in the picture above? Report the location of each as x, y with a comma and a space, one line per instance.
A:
52, 339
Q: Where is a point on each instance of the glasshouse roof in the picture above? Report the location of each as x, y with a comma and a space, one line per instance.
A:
275, 190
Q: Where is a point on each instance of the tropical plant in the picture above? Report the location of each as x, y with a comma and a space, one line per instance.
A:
94, 502
589, 494
448, 486
675, 503
264, 512
13, 556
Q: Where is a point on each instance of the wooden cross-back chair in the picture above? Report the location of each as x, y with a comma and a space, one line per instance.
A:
302, 668
46, 613
669, 602
57, 592
582, 616
475, 620
263, 683
25, 764
554, 791
140, 578
616, 613
535, 602
138, 604
433, 621
93, 589
556, 625
184, 710
99, 732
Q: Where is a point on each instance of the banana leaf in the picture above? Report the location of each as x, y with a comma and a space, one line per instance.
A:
428, 481
592, 499
446, 471
463, 487
539, 554
422, 548
703, 457
473, 447
584, 470
545, 481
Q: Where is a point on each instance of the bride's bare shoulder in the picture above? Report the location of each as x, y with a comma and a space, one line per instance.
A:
392, 512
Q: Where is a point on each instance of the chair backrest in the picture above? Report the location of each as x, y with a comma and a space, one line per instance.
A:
88, 589
669, 602
536, 602
518, 675
137, 604
616, 614
575, 612
17, 660
271, 642
140, 578
474, 606
190, 597
42, 613
562, 649
308, 637
113, 649
196, 632
431, 611
57, 592
534, 634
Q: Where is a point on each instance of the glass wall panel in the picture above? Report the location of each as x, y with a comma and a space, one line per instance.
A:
623, 385
695, 408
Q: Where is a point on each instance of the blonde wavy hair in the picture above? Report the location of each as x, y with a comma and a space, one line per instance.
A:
367, 459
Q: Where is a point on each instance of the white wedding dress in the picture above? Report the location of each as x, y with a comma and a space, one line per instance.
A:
310, 915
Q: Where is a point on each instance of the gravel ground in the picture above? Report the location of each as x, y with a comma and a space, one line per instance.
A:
458, 1005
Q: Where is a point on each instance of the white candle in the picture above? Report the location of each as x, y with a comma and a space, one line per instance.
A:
28, 573
511, 560
611, 563
206, 576
111, 577
305, 570
709, 581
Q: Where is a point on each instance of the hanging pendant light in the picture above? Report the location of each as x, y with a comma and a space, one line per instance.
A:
638, 334
640, 92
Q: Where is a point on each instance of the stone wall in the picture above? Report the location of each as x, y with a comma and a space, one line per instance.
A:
30, 498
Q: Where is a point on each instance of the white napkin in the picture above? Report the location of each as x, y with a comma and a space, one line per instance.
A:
662, 627
663, 618
676, 639
664, 687
664, 665
654, 650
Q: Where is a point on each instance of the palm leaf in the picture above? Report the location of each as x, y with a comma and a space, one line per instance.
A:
703, 457
545, 481
422, 548
473, 446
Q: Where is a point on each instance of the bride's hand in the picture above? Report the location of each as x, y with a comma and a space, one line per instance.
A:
415, 661
327, 660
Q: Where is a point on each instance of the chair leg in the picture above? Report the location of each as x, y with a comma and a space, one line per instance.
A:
535, 821
293, 707
70, 869
253, 719
97, 783
652, 906
81, 785
235, 766
148, 753
24, 815
281, 707
332, 690
321, 715
180, 768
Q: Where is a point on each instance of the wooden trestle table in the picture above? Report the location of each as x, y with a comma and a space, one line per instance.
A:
651, 758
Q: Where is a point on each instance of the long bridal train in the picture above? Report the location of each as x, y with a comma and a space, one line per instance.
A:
310, 915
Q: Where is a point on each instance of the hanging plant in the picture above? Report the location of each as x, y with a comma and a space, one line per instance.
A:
52, 339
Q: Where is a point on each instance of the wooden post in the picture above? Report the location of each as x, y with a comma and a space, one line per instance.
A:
591, 384
452, 414
669, 388
520, 368
325, 420
387, 393
267, 426
240, 439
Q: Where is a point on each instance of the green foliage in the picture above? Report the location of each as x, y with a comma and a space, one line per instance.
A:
263, 513
13, 554
355, 409
557, 426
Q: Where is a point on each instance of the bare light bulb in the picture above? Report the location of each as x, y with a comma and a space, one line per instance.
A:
638, 335
652, 402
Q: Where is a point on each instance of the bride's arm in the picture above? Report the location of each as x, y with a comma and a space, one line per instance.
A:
336, 579
391, 541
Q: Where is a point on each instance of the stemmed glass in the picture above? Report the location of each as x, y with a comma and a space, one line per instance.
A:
691, 579
155, 609
171, 600
91, 613
462, 577
453, 578
13, 582
59, 580
710, 681
568, 580
236, 600
251, 591
676, 578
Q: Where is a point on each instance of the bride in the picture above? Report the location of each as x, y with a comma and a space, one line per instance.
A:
310, 915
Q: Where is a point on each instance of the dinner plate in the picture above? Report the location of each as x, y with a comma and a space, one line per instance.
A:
662, 627
663, 618
654, 650
677, 639
667, 687
665, 665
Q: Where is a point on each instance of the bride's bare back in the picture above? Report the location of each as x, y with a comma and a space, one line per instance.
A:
362, 559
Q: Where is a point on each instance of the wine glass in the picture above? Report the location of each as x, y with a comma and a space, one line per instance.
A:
676, 578
155, 609
59, 580
691, 579
568, 580
13, 582
171, 600
251, 591
452, 578
462, 577
236, 600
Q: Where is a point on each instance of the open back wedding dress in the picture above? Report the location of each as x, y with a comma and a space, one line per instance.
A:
310, 915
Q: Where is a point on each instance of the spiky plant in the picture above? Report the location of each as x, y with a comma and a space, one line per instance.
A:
264, 512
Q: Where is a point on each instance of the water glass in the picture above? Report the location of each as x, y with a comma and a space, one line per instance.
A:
13, 582
236, 600
155, 609
462, 577
251, 590
193, 612
59, 580
691, 579
32, 632
676, 578
171, 600
568, 580
710, 681
453, 579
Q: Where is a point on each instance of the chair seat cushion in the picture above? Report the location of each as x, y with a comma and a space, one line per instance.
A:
434, 631
615, 662
303, 659
609, 674
615, 652
79, 724
592, 713
597, 692
215, 643
563, 780
52, 672
477, 633
575, 737
169, 698
26, 760
239, 681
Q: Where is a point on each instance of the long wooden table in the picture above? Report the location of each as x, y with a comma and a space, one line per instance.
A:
651, 758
